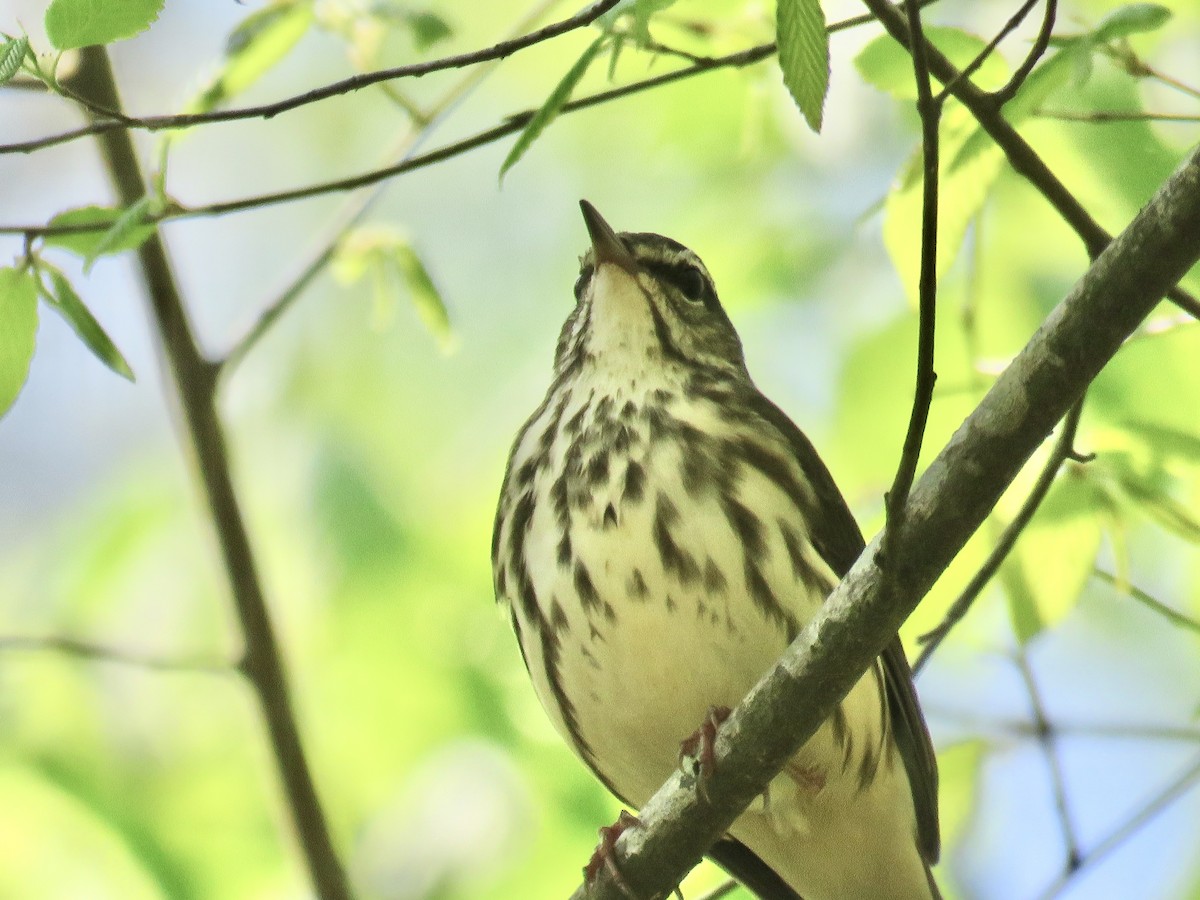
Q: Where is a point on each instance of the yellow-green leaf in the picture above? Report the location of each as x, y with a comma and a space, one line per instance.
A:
88, 243
425, 295
804, 55
129, 226
82, 23
553, 105
18, 331
62, 298
884, 64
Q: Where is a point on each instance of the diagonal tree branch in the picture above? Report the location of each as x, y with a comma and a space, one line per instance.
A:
195, 383
948, 503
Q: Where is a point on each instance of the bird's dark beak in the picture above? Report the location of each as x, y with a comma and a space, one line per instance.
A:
606, 246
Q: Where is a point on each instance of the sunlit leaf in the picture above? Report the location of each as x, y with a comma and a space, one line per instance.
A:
428, 28
82, 23
1055, 555
804, 55
640, 11
90, 244
1135, 18
12, 54
963, 190
18, 331
62, 298
553, 105
887, 66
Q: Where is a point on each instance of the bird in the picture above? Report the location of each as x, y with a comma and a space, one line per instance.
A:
663, 532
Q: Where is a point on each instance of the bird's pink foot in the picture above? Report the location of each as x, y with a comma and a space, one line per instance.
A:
699, 746
604, 855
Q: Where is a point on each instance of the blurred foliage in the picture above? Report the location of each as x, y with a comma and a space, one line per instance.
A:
368, 459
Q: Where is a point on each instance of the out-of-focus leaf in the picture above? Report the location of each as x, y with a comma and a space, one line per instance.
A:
82, 23
1047, 78
382, 253
425, 295
129, 226
958, 785
1055, 555
961, 195
553, 105
887, 66
428, 28
18, 331
258, 43
360, 529
88, 243
12, 54
1151, 494
804, 56
1135, 18
640, 11
62, 298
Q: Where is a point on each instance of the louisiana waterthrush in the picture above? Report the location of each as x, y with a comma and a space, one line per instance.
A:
663, 533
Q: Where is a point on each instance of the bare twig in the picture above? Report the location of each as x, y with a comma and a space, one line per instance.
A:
356, 207
930, 111
1106, 116
1022, 157
1064, 449
721, 890
88, 651
195, 384
1046, 739
1040, 43
980, 58
1176, 789
581, 19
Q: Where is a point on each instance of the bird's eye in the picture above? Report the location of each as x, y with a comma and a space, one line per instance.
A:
690, 281
585, 275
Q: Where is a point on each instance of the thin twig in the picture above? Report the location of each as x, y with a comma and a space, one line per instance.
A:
1105, 116
511, 125
581, 19
1045, 737
980, 58
1176, 789
1064, 449
1036, 52
195, 385
930, 111
91, 652
1173, 616
356, 207
1021, 156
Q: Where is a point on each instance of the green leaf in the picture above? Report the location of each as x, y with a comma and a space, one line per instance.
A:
804, 55
257, 44
82, 23
428, 28
425, 295
88, 243
18, 331
12, 54
884, 64
963, 191
127, 225
1135, 18
1055, 555
62, 298
553, 105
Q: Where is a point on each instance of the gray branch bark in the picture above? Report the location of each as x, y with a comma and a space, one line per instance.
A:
946, 506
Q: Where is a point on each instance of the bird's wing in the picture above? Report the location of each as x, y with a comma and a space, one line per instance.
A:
836, 536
